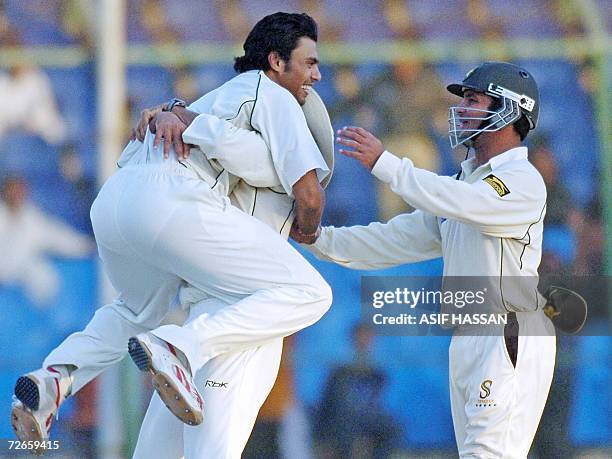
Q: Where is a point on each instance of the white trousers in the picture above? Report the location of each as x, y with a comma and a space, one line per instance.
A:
233, 387
101, 344
496, 406
158, 224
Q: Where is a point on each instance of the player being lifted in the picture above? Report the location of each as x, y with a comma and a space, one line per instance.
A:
160, 222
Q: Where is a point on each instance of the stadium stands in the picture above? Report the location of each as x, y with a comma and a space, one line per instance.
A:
416, 368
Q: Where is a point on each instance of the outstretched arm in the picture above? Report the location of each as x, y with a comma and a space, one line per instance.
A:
407, 238
503, 204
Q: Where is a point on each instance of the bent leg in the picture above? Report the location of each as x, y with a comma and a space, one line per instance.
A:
280, 292
164, 227
233, 387
102, 343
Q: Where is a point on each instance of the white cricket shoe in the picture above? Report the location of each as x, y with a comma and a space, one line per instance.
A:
38, 396
171, 376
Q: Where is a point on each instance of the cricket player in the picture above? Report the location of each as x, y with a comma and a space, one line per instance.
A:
485, 222
233, 386
162, 222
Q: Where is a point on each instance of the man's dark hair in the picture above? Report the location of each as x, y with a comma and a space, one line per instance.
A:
522, 127
278, 32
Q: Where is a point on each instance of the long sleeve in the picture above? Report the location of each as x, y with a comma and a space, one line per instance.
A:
407, 238
241, 152
502, 205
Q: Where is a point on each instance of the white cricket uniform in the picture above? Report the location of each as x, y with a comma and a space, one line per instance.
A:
103, 341
268, 275
487, 223
233, 385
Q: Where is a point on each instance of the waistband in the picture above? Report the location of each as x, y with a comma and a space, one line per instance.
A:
170, 166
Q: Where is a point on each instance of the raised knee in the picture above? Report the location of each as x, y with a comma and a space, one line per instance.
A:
324, 296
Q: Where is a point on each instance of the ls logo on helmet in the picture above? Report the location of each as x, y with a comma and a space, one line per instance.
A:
524, 101
499, 186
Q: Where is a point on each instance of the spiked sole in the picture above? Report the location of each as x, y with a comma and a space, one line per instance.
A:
140, 354
163, 384
26, 391
25, 426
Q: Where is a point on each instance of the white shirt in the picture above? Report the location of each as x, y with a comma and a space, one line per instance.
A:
253, 144
28, 236
487, 223
32, 106
253, 102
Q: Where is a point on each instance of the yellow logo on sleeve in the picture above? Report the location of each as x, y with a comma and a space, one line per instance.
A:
499, 186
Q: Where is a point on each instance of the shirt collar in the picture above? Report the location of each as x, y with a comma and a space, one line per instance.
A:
510, 155
469, 165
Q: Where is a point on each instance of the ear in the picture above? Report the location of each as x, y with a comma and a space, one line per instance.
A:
276, 63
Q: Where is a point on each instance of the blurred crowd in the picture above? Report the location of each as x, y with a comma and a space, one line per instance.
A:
48, 160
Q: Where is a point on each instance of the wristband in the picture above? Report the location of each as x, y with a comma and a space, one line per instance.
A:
317, 232
168, 106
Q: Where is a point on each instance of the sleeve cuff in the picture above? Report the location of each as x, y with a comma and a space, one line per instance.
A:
319, 244
386, 166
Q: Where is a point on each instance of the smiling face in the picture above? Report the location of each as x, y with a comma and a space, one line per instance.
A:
471, 109
299, 73
471, 117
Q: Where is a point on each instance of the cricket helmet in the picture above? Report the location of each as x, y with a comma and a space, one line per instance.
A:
516, 90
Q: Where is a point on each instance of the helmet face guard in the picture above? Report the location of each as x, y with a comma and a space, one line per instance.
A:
510, 84
490, 121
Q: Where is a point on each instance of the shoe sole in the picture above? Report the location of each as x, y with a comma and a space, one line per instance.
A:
163, 384
25, 426
26, 391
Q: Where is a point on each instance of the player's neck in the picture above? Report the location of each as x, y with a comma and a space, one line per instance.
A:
491, 144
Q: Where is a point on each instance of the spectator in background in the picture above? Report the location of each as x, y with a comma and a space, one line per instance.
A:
589, 262
33, 108
84, 421
186, 83
563, 220
81, 188
329, 26
400, 20
401, 103
27, 237
591, 241
79, 21
560, 208
352, 421
9, 36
